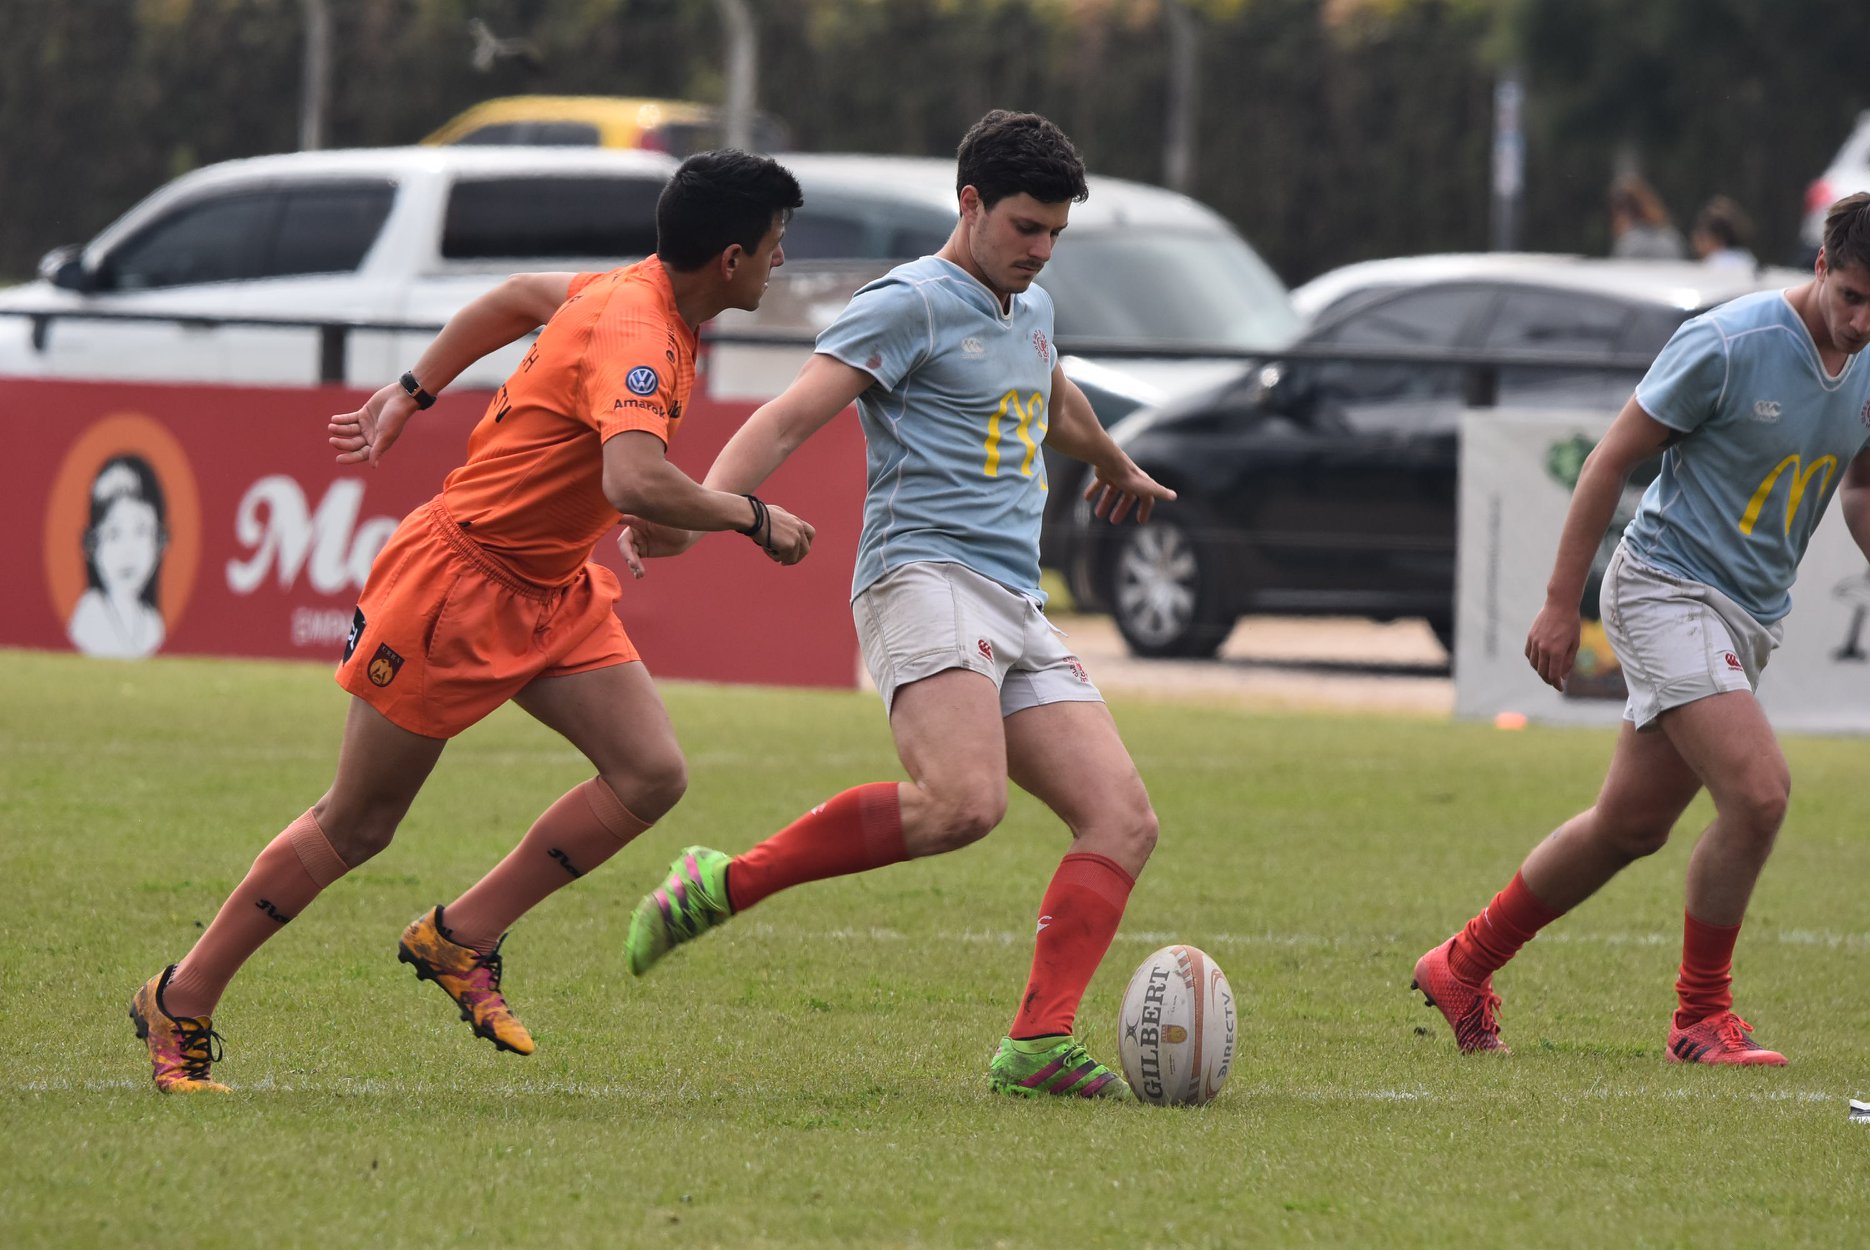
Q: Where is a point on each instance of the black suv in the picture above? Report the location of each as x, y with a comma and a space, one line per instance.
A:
1318, 486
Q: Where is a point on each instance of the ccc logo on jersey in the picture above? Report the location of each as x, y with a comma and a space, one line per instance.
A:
642, 380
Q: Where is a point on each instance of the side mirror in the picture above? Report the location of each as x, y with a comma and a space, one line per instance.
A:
64, 268
1288, 390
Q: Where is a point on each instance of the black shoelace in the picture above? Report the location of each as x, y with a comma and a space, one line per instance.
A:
201, 1046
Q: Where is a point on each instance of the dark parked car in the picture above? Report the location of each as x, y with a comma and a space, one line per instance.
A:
1320, 486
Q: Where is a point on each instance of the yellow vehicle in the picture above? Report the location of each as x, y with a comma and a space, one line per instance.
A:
678, 127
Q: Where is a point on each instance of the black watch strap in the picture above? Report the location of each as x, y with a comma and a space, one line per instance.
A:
414, 390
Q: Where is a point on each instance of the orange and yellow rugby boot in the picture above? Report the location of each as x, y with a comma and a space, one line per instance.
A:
469, 977
181, 1048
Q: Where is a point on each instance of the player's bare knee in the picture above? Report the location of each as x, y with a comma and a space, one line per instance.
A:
652, 787
967, 819
1142, 835
1757, 806
358, 830
1642, 836
357, 841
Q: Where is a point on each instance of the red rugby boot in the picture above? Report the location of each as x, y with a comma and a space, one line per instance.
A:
1721, 1038
1469, 1008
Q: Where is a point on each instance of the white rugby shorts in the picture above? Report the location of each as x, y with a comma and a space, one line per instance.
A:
1678, 640
925, 618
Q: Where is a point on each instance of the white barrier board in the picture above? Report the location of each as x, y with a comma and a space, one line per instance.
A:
1517, 469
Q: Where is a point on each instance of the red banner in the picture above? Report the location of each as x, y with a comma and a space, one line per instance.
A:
211, 520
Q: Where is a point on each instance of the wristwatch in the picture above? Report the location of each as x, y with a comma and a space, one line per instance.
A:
414, 390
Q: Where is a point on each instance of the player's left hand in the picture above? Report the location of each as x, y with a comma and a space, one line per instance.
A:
373, 429
641, 540
1114, 491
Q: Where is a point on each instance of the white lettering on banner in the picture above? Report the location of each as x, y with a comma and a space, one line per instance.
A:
320, 627
330, 546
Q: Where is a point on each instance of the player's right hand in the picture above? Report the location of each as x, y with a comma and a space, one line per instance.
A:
641, 540
787, 538
1552, 643
373, 429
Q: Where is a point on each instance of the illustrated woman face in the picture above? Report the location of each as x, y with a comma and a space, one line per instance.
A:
127, 541
123, 546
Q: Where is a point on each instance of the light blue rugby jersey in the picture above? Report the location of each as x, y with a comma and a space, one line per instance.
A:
954, 424
1769, 435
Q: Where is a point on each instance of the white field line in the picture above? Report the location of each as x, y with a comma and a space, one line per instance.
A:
656, 1094
1152, 937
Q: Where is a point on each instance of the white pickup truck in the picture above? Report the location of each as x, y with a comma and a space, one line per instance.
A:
377, 236
405, 236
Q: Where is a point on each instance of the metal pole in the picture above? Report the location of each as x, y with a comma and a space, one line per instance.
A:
742, 72
1184, 89
315, 84
1509, 159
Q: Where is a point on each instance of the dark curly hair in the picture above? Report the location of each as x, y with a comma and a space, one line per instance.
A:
716, 199
1008, 153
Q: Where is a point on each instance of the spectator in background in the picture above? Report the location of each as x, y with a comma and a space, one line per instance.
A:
1640, 228
1721, 234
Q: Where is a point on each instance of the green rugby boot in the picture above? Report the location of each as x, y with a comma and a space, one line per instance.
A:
692, 900
1051, 1065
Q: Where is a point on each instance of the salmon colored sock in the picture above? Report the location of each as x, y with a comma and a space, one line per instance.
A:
1077, 919
289, 873
1706, 984
1495, 936
855, 831
587, 825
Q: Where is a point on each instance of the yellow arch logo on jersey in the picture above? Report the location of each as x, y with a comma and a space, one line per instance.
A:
1029, 414
1801, 478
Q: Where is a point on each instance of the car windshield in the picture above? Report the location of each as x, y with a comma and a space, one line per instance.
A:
1180, 288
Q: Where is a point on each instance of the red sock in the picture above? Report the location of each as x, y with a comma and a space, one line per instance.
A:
587, 825
1495, 936
855, 831
1077, 919
288, 874
1706, 984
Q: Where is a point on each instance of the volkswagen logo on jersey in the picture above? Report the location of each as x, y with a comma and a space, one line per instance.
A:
642, 380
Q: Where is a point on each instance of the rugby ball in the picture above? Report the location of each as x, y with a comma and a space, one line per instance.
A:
1176, 1032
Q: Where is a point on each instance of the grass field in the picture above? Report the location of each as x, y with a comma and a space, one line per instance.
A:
814, 1074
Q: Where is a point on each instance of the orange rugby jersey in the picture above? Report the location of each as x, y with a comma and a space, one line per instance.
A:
616, 356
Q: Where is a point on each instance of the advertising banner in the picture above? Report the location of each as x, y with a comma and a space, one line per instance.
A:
209, 520
1517, 472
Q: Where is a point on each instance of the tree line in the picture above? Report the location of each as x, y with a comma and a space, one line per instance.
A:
1327, 130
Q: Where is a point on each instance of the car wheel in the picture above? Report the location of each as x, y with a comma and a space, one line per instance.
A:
1162, 591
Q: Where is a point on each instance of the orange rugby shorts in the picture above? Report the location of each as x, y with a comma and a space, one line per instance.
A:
444, 634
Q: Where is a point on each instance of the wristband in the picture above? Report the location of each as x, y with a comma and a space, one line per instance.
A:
413, 389
760, 519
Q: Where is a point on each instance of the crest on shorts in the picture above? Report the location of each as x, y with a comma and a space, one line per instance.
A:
1733, 661
1076, 666
384, 666
642, 380
985, 648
